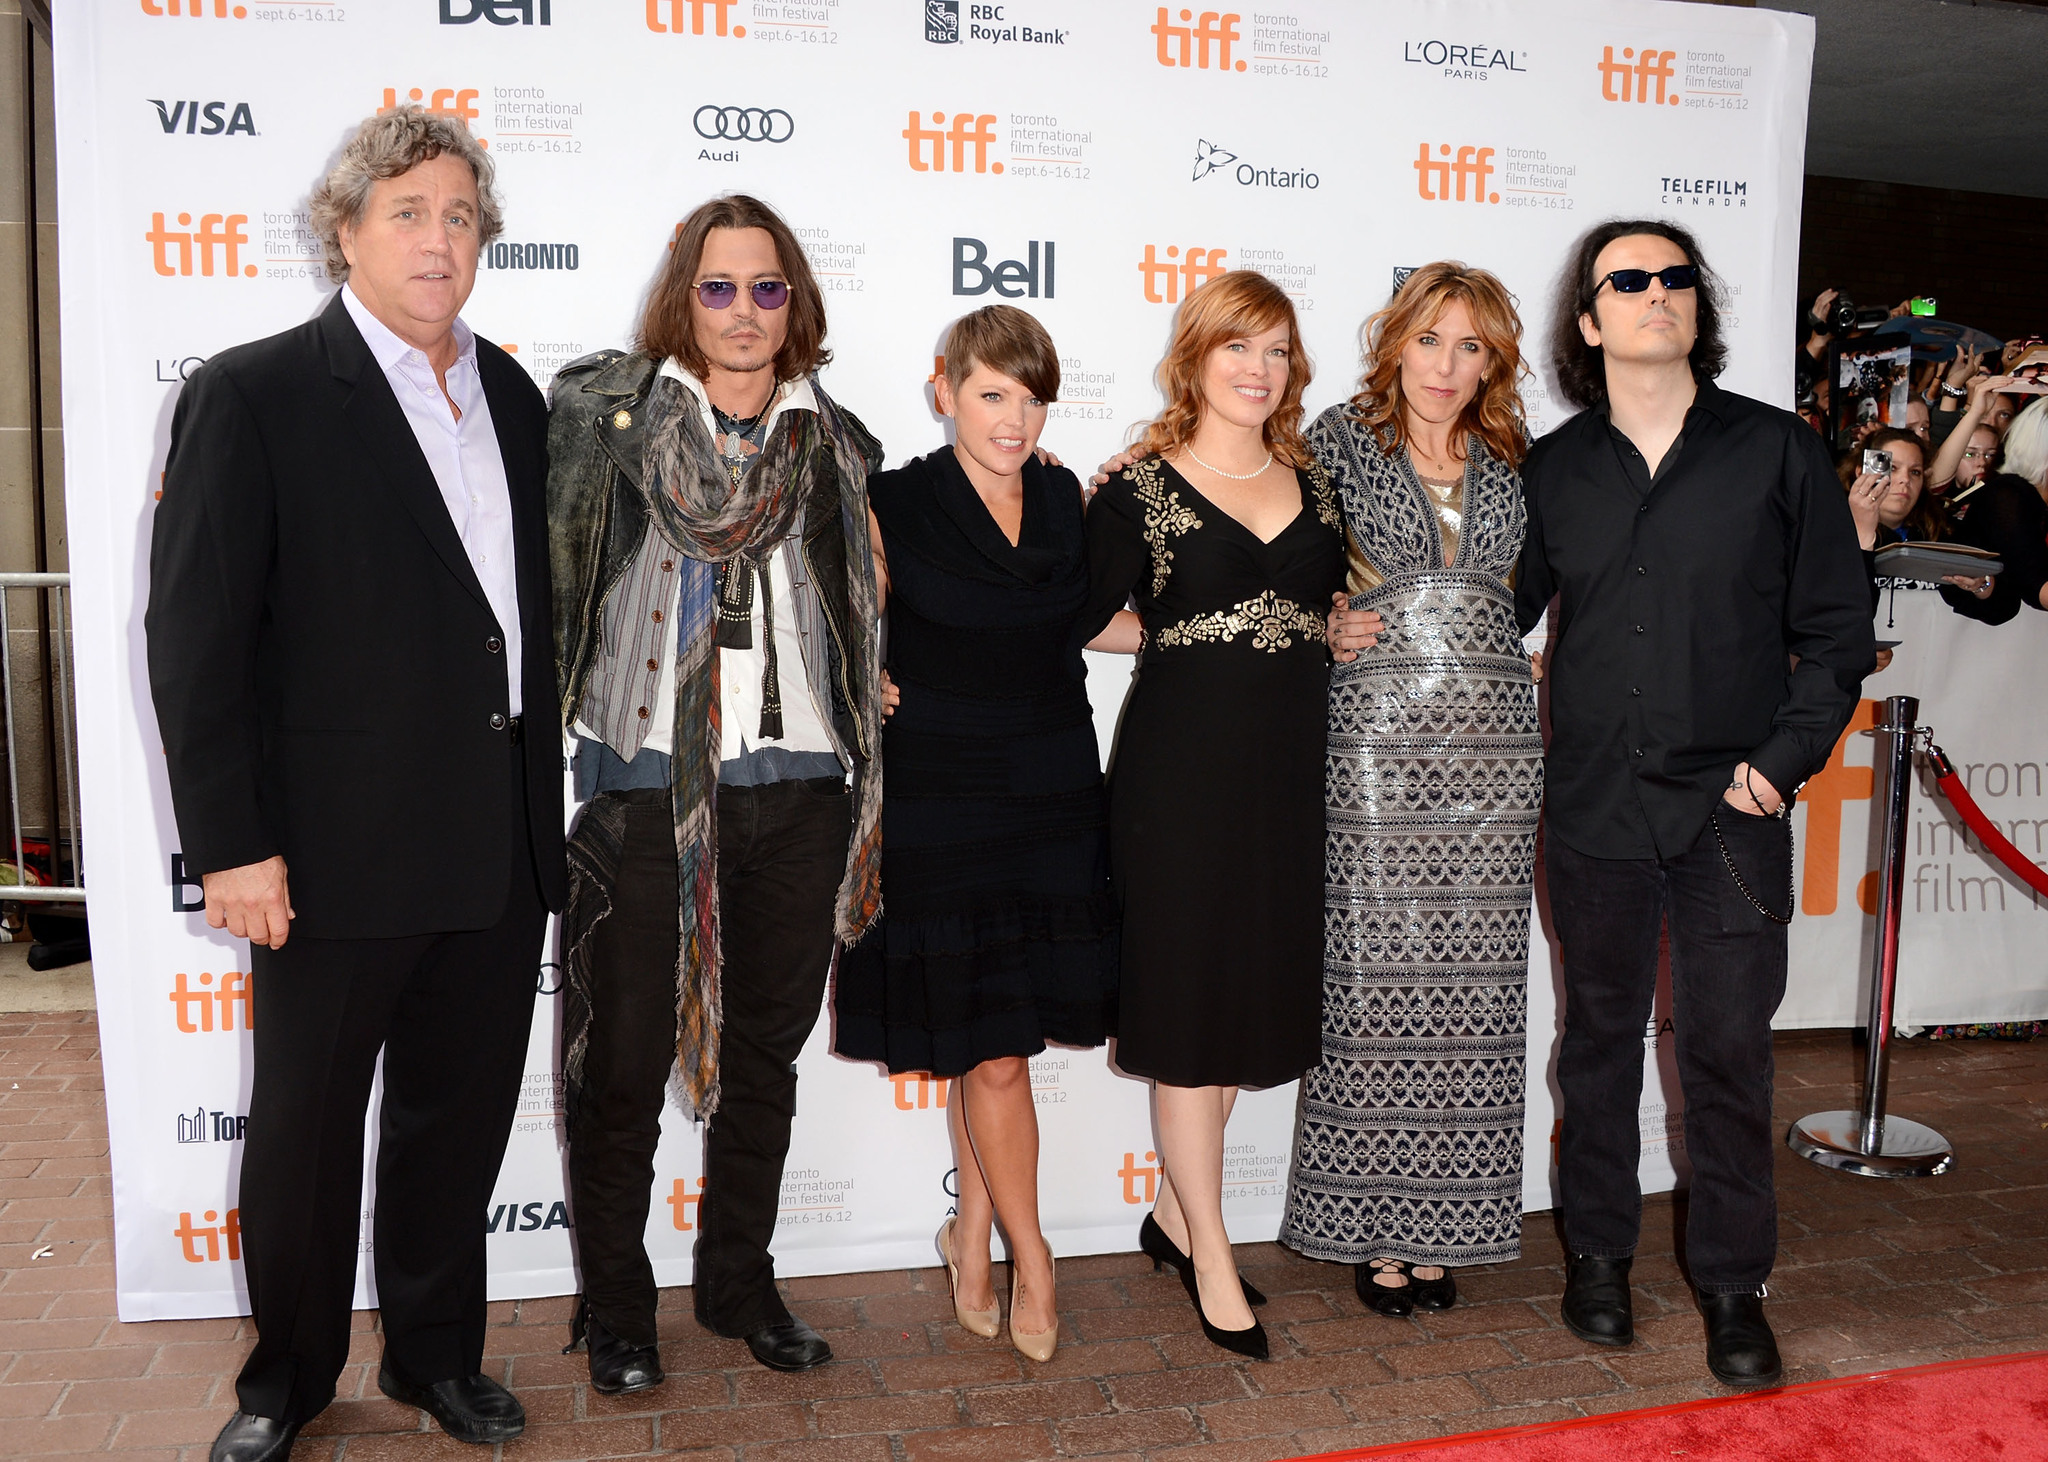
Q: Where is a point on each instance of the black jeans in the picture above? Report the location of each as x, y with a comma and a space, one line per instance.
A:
450, 1013
781, 854
1727, 977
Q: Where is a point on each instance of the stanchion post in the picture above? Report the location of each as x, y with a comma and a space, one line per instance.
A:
1870, 1143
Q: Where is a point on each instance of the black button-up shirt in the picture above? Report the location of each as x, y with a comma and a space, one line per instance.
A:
1715, 613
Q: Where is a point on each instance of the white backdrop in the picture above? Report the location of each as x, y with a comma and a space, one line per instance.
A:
1094, 159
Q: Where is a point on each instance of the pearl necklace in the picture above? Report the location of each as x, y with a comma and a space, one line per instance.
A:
1233, 476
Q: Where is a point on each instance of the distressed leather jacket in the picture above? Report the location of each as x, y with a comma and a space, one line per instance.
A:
596, 432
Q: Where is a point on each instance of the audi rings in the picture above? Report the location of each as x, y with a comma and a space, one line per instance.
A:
744, 124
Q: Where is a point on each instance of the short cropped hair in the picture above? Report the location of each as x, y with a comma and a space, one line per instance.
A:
389, 145
2026, 444
1581, 369
1010, 342
666, 328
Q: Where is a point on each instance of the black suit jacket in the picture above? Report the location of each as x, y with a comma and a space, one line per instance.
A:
325, 666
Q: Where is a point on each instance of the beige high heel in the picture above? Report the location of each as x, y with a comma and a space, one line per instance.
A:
1038, 1347
979, 1322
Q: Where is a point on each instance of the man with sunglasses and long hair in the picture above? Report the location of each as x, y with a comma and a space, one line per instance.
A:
1710, 636
715, 613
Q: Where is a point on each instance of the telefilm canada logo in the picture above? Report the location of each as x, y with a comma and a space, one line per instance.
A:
992, 24
1705, 192
205, 119
1214, 160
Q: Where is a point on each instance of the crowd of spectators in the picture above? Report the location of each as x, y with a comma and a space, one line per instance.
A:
1967, 464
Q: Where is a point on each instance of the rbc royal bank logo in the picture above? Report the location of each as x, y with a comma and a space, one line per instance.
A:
968, 134
686, 17
1191, 43
1180, 273
942, 22
1629, 78
1434, 177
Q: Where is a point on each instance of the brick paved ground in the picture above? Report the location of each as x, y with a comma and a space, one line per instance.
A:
1873, 1275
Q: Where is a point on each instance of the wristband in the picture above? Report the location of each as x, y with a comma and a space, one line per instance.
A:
1954, 393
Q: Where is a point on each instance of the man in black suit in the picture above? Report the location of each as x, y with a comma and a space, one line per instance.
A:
348, 624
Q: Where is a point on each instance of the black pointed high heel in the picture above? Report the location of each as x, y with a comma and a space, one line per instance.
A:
1248, 1343
1162, 1250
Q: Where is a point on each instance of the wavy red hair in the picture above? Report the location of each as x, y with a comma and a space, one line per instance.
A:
1494, 414
1229, 307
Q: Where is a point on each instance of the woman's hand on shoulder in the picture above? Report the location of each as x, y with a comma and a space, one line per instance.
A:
1113, 466
1351, 630
891, 696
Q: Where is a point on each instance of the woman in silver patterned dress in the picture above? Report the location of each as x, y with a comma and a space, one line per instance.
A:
1408, 1148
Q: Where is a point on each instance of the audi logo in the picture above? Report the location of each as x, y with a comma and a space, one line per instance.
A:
744, 124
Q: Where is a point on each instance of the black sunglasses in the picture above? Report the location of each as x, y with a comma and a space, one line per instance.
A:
718, 294
1635, 281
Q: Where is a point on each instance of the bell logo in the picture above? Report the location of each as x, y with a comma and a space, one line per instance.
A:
1189, 46
968, 129
1629, 78
917, 1091
185, 117
195, 1008
1166, 281
220, 10
446, 102
213, 1231
1134, 1172
1824, 795
1011, 278
682, 1200
222, 232
497, 12
694, 9
1473, 166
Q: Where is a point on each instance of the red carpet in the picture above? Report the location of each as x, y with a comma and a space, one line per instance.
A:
1993, 1410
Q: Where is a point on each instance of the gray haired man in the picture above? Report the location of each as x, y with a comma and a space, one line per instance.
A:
348, 621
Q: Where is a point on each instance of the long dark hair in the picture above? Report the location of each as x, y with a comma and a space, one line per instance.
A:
1581, 371
665, 326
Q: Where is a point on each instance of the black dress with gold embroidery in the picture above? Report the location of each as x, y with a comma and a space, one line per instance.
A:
1216, 785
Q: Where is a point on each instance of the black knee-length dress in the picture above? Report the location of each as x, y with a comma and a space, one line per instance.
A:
1216, 786
997, 933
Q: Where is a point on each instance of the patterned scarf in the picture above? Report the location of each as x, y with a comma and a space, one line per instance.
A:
696, 506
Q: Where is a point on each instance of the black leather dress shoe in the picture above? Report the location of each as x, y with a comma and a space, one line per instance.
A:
473, 1409
1741, 1351
790, 1345
1596, 1301
249, 1438
618, 1366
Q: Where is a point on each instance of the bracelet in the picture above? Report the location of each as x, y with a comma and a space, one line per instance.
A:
1954, 393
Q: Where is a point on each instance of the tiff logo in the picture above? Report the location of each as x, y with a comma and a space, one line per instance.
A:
446, 101
1474, 165
915, 1091
1183, 45
195, 8
205, 1126
212, 1230
222, 232
684, 1202
1166, 281
241, 121
695, 9
1134, 1172
1634, 80
1011, 278
497, 12
968, 129
195, 1008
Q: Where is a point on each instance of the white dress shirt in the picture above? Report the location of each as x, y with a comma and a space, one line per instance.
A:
464, 458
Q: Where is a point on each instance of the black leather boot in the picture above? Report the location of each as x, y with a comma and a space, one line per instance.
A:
1596, 1300
1741, 1351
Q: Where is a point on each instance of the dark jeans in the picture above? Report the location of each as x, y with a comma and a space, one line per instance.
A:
781, 854
450, 1013
1727, 977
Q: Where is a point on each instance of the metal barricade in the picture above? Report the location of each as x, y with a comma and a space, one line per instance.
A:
55, 863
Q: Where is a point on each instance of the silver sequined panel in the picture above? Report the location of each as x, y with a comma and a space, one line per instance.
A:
1410, 1138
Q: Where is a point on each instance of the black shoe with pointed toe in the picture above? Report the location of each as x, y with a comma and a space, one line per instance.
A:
1162, 1250
249, 1438
1251, 1344
1596, 1306
790, 1345
1741, 1351
619, 1366
1396, 1301
473, 1409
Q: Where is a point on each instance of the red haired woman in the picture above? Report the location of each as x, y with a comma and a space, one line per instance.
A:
1226, 535
1408, 1149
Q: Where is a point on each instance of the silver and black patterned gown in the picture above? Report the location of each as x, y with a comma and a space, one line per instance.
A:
1409, 1137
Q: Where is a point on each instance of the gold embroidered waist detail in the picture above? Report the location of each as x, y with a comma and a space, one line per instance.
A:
1272, 623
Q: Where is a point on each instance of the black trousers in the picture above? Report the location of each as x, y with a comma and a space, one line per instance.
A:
450, 1013
781, 854
1727, 977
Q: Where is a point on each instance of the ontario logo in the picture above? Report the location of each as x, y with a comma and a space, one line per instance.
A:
1181, 272
968, 134
219, 239
1212, 160
686, 17
1629, 78
1197, 38
1467, 171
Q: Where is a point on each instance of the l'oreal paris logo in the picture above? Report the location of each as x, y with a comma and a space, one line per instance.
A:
1464, 60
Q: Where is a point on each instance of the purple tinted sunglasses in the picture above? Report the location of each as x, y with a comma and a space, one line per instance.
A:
718, 294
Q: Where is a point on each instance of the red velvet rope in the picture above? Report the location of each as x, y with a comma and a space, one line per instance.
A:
1994, 841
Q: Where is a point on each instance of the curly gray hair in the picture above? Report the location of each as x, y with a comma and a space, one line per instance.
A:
389, 145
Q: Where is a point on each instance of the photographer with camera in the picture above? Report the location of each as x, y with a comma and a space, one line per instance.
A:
1886, 482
